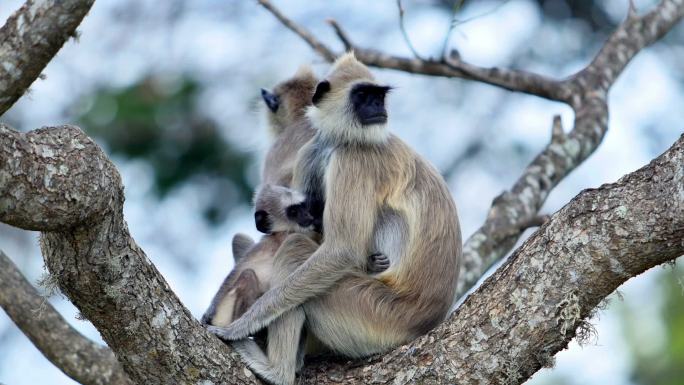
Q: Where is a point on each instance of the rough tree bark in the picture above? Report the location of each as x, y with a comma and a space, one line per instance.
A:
77, 356
30, 39
57, 181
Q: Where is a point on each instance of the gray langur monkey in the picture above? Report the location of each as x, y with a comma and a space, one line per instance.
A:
286, 108
378, 195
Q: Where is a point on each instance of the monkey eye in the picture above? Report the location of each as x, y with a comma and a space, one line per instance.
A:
291, 211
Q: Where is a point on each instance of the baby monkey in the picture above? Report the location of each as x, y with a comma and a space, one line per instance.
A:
253, 271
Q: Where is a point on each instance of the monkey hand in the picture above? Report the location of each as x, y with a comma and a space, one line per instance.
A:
377, 263
249, 323
232, 332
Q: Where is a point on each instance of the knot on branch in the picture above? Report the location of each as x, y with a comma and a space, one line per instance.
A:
54, 178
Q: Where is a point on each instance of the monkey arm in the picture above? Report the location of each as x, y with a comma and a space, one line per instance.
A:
315, 276
349, 218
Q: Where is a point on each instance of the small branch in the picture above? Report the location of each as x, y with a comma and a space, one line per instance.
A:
452, 23
589, 89
405, 34
30, 38
319, 47
342, 35
509, 79
71, 352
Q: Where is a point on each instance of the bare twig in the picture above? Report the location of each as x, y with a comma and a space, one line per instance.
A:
342, 35
405, 34
509, 79
319, 47
74, 354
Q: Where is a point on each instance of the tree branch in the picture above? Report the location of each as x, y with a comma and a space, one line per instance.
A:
58, 181
74, 354
455, 68
564, 153
30, 38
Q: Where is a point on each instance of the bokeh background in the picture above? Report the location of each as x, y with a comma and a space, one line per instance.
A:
170, 90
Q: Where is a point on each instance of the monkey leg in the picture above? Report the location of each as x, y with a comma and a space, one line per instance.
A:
233, 298
284, 342
285, 346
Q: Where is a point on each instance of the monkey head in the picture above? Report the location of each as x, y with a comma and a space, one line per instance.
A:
280, 209
349, 105
288, 100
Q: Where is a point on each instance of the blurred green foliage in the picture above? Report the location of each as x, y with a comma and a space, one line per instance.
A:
158, 120
663, 366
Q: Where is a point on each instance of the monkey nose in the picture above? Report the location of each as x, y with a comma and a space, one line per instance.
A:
261, 221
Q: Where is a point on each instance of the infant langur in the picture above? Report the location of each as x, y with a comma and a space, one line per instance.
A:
279, 210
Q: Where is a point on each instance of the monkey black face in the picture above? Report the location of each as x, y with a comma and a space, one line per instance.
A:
272, 100
263, 224
368, 101
300, 214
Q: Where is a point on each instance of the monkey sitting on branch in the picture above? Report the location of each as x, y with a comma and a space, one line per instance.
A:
377, 194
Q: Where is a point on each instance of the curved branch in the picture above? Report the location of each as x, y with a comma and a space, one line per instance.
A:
513, 80
590, 88
30, 38
73, 194
64, 162
74, 354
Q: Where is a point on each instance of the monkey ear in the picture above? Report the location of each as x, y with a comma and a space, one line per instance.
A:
321, 89
241, 244
272, 100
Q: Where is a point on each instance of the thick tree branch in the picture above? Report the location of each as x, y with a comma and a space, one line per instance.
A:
540, 298
30, 38
74, 354
58, 161
58, 181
